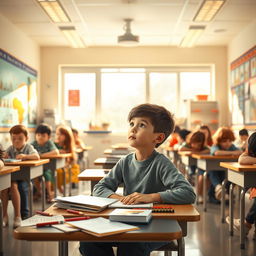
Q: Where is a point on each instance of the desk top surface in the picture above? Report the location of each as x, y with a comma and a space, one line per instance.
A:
168, 148
186, 212
66, 155
235, 166
86, 148
9, 169
120, 146
185, 153
105, 160
93, 174
156, 230
211, 157
29, 163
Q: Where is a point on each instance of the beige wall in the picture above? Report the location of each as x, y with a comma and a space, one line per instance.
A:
15, 42
53, 57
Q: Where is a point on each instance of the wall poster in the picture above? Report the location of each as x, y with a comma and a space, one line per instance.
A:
18, 92
243, 88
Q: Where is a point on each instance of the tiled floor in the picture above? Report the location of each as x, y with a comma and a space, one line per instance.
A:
205, 238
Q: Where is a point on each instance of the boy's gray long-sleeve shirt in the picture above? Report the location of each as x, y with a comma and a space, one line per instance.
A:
157, 174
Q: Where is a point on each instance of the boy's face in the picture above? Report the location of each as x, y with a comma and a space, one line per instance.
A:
42, 138
18, 140
243, 137
141, 133
225, 144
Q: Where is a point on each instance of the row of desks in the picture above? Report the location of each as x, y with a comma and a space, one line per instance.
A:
242, 175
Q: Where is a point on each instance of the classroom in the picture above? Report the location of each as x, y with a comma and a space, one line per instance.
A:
76, 75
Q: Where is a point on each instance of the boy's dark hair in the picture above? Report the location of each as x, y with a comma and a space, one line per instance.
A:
1, 154
252, 145
197, 137
43, 128
243, 132
176, 129
183, 133
16, 129
161, 118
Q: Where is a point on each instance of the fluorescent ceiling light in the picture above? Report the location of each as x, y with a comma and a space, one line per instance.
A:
208, 10
54, 10
72, 36
192, 36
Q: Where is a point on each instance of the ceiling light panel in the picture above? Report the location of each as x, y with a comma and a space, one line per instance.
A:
54, 10
208, 10
72, 36
192, 36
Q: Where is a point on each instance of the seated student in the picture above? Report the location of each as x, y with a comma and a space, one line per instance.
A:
174, 136
222, 145
20, 149
147, 175
65, 143
208, 137
182, 135
248, 157
45, 148
243, 136
79, 144
196, 144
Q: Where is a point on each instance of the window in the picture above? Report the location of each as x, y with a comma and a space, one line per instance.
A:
79, 98
106, 95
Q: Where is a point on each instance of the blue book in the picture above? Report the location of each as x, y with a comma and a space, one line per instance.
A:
11, 160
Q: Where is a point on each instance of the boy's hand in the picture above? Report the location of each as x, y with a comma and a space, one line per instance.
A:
136, 198
21, 156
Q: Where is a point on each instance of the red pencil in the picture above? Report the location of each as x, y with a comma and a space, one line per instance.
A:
50, 223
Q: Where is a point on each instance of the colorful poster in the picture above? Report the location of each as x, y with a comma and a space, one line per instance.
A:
18, 92
73, 98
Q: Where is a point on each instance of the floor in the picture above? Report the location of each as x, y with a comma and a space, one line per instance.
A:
207, 237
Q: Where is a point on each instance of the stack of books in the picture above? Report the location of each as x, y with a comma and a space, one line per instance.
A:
84, 203
131, 215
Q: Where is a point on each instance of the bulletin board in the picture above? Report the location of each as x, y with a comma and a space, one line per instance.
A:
18, 92
243, 88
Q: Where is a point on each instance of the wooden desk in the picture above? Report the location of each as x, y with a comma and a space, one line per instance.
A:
58, 162
245, 177
30, 169
106, 163
120, 146
212, 163
186, 158
93, 175
173, 154
82, 155
156, 230
5, 182
115, 152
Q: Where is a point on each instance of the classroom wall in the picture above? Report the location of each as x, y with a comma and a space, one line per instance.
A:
15, 42
53, 57
240, 44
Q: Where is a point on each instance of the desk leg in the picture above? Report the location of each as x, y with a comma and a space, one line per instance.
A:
70, 179
43, 193
63, 248
223, 203
55, 183
231, 209
30, 184
181, 247
64, 181
242, 235
196, 184
204, 190
1, 230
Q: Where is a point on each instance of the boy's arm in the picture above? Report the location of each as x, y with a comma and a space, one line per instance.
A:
246, 159
31, 153
54, 152
107, 186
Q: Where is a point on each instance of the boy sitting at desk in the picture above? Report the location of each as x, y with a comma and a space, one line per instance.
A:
19, 149
45, 148
147, 175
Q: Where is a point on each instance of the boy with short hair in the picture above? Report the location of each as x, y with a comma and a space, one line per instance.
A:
243, 136
147, 175
19, 149
45, 148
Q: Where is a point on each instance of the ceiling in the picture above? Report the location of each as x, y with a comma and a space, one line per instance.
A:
157, 22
